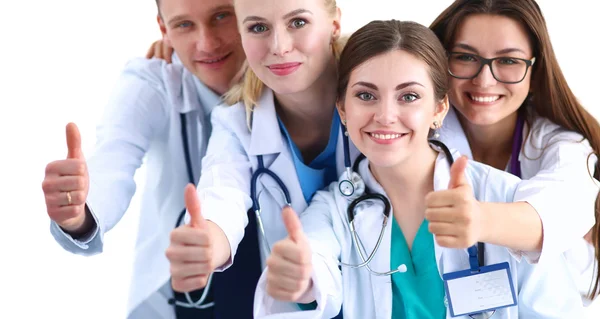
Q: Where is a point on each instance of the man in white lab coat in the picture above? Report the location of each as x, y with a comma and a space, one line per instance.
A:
160, 113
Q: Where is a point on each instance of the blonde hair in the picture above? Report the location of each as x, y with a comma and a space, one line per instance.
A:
251, 87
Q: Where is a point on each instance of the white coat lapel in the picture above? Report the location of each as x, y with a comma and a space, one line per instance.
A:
266, 139
453, 135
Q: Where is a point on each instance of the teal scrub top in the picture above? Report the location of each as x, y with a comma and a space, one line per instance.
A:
419, 292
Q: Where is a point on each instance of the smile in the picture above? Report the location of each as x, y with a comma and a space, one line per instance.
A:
215, 60
484, 99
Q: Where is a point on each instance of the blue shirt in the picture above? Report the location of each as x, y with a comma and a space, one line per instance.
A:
322, 170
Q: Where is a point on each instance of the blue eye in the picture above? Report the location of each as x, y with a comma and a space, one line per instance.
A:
184, 24
365, 96
298, 23
258, 28
221, 16
410, 97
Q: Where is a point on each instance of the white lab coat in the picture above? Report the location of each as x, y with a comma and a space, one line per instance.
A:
224, 187
557, 183
142, 123
542, 290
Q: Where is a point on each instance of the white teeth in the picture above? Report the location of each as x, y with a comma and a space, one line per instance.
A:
385, 136
485, 99
214, 61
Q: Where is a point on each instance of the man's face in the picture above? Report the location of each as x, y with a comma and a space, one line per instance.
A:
205, 37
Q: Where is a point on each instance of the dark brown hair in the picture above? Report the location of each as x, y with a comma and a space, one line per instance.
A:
550, 96
379, 37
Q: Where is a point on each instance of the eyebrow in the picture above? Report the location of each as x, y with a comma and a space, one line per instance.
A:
472, 49
398, 87
225, 7
285, 17
178, 18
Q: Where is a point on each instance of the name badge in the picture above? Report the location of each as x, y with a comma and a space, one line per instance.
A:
486, 289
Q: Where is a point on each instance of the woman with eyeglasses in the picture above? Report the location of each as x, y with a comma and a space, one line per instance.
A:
513, 110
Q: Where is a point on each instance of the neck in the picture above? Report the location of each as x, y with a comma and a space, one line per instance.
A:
491, 144
409, 181
311, 108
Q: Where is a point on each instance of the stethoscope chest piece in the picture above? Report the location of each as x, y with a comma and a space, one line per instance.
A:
346, 188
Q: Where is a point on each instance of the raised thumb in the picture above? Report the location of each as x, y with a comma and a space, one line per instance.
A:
73, 142
192, 204
458, 175
292, 224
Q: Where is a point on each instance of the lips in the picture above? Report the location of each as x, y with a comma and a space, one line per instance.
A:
385, 137
214, 60
284, 68
483, 98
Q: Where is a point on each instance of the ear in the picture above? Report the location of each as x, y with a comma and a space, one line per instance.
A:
163, 30
441, 109
340, 108
337, 24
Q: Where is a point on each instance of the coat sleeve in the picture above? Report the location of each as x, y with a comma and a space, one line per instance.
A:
563, 192
225, 182
547, 291
136, 112
324, 229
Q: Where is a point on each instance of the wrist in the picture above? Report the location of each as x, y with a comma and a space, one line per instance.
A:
83, 226
308, 295
221, 248
486, 225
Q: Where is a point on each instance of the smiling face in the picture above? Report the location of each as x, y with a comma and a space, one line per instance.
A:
390, 107
287, 42
483, 100
205, 37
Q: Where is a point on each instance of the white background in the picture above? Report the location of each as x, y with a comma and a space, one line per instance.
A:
59, 60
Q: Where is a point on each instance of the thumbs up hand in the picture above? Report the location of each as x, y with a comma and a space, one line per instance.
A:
66, 186
191, 249
454, 214
290, 263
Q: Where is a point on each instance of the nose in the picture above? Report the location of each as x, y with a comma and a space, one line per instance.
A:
281, 43
208, 40
485, 78
387, 112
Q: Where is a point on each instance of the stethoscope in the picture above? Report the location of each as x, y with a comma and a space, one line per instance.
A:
353, 188
190, 303
347, 188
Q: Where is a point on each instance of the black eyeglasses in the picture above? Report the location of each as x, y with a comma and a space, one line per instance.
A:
507, 70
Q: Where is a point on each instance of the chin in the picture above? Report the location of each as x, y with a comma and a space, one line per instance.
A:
385, 160
286, 86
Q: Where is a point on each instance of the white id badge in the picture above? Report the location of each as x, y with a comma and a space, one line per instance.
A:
488, 289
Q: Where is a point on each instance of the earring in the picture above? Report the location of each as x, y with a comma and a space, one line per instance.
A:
346, 130
436, 127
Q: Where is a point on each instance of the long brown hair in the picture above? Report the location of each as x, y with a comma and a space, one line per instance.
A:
551, 96
379, 37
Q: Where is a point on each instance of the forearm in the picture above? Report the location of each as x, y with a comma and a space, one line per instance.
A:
513, 225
